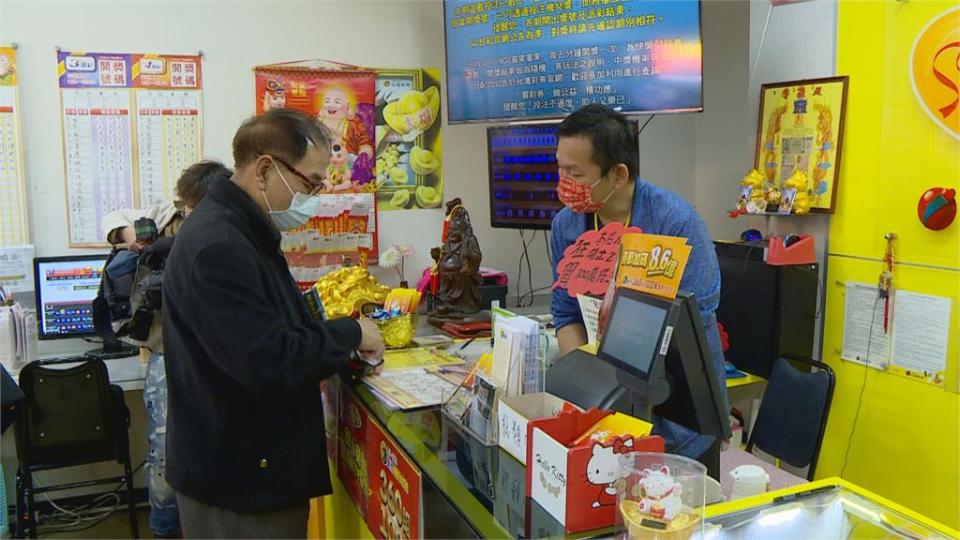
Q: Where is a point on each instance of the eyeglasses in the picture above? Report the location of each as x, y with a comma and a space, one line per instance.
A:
314, 187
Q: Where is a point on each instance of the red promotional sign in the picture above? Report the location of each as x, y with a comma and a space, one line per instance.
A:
590, 263
381, 479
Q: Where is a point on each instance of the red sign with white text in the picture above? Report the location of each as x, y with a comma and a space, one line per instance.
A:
590, 264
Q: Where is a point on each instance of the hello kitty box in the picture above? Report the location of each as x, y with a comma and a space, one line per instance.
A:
576, 477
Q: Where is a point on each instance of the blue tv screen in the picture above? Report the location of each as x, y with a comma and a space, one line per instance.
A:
524, 59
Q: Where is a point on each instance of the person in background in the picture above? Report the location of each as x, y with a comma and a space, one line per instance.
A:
120, 232
597, 155
246, 433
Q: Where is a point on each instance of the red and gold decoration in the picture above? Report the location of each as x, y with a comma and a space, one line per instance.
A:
801, 129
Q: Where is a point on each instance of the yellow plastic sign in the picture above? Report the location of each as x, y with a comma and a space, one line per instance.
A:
653, 263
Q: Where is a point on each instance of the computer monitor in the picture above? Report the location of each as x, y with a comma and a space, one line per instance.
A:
655, 360
523, 175
633, 333
65, 289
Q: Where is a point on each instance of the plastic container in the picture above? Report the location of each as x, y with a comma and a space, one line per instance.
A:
664, 497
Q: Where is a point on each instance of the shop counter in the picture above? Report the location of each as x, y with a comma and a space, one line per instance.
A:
468, 490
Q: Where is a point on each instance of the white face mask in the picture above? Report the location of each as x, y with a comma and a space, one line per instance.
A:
302, 207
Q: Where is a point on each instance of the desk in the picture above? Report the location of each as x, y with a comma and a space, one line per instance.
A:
468, 490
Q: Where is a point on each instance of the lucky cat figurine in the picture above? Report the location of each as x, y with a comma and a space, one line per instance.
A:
603, 469
659, 494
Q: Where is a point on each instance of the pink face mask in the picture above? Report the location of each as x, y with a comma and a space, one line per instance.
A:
579, 197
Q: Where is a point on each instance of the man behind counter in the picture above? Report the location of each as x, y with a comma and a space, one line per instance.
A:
597, 157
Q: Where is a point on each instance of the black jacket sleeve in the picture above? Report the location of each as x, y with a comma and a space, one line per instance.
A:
251, 340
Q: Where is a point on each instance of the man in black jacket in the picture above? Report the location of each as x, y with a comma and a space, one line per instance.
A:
245, 439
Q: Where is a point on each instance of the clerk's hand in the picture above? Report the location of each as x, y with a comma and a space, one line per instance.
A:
371, 346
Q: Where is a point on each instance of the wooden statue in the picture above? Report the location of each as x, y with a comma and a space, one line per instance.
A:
457, 265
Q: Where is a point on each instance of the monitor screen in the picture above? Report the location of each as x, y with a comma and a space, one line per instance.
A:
546, 58
523, 175
633, 332
66, 288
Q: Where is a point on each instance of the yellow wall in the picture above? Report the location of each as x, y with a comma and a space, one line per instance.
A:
906, 445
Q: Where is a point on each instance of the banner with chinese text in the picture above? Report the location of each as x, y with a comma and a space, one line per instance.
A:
131, 124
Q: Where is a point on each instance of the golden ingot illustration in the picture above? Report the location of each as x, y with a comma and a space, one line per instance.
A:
414, 111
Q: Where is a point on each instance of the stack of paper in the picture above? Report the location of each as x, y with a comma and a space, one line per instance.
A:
14, 349
416, 378
517, 363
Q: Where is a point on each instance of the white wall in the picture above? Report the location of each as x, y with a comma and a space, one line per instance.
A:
721, 149
237, 35
234, 37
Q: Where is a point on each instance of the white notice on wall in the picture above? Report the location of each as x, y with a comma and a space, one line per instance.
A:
864, 339
590, 310
16, 268
921, 327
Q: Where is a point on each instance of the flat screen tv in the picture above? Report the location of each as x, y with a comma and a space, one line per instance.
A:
529, 59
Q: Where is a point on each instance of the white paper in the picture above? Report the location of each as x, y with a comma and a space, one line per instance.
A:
863, 332
98, 146
921, 328
13, 219
590, 311
507, 350
168, 140
16, 268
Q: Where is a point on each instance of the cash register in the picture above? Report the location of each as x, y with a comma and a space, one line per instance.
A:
653, 359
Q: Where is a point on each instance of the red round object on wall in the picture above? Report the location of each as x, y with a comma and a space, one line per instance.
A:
937, 208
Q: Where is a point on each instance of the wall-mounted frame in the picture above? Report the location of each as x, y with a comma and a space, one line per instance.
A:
801, 126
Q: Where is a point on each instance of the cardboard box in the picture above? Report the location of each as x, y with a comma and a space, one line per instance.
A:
515, 414
577, 485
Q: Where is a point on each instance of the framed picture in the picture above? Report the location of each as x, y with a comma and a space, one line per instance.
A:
801, 127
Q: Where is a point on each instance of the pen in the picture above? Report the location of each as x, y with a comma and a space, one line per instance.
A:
465, 345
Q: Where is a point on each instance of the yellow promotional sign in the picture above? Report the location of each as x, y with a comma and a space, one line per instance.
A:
653, 263
8, 66
935, 70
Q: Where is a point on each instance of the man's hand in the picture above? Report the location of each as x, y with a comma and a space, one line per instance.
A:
371, 344
129, 236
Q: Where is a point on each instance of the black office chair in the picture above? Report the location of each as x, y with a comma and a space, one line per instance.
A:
793, 415
70, 416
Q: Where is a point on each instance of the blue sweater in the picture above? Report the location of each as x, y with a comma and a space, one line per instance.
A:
657, 211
